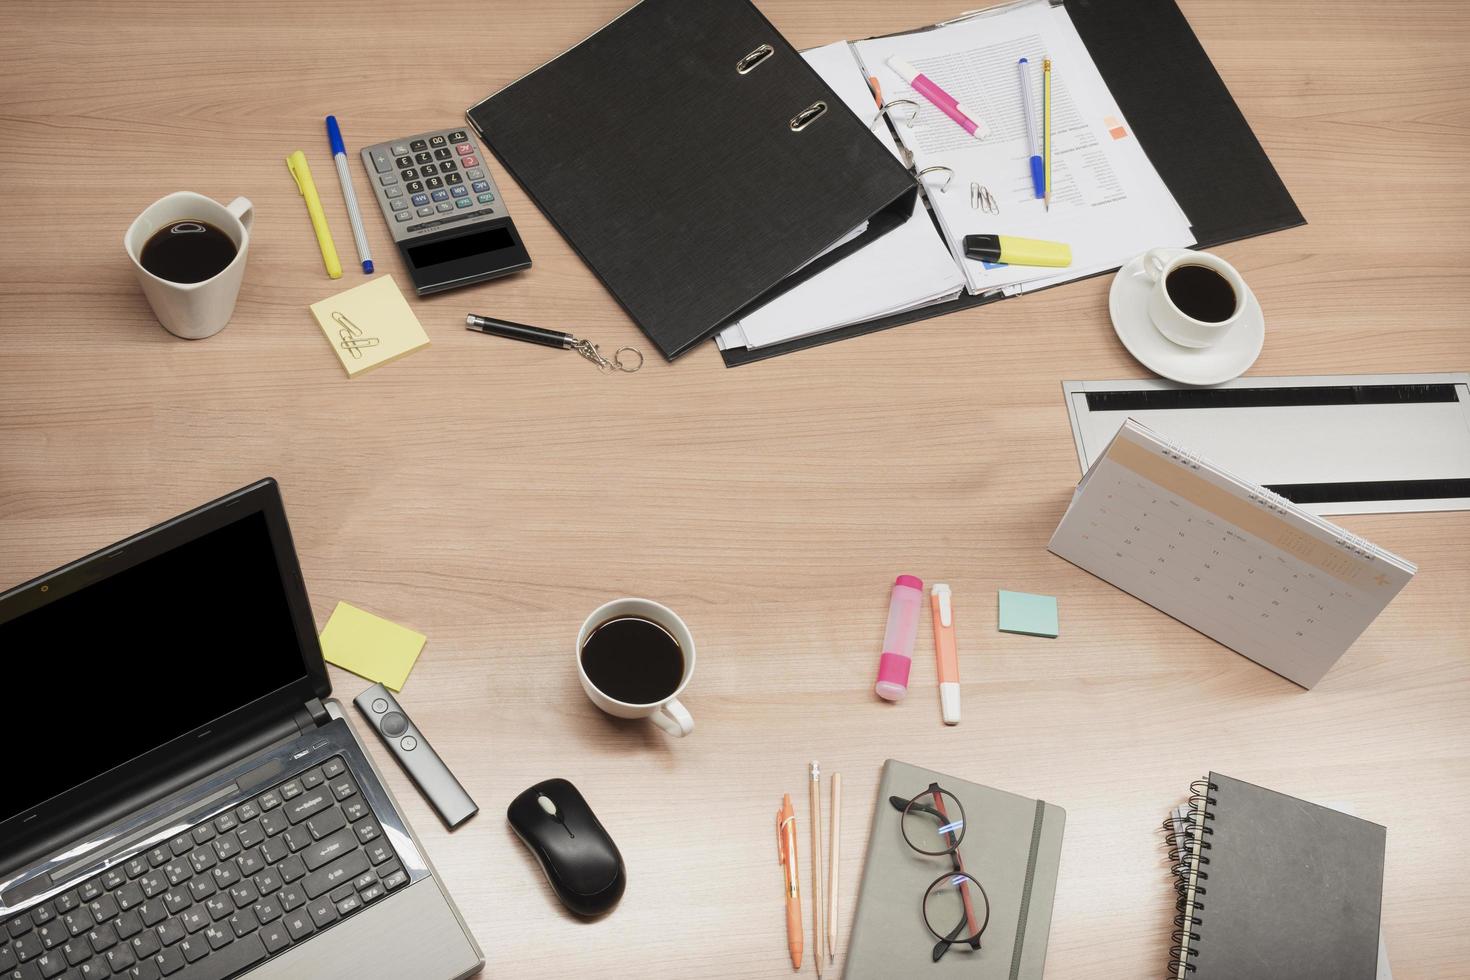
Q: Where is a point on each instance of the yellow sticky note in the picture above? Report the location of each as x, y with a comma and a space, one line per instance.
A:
370, 646
369, 325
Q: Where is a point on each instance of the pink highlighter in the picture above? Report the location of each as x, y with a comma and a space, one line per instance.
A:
898, 639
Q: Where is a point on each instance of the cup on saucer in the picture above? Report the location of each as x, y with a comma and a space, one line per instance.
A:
1187, 315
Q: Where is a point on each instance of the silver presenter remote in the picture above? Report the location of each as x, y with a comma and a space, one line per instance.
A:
416, 755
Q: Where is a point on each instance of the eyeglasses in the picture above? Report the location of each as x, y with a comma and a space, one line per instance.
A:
933, 824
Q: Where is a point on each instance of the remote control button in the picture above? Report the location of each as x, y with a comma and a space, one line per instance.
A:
480, 186
381, 161
424, 157
419, 200
425, 212
470, 162
433, 182
413, 186
459, 191
404, 161
409, 174
418, 145
398, 205
441, 153
409, 743
447, 167
387, 179
393, 192
394, 724
401, 215
436, 140
476, 174
400, 149
379, 705
444, 206
458, 136
485, 198
464, 149
440, 195
463, 202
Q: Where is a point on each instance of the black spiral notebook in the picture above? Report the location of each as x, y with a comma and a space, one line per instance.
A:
1270, 886
695, 162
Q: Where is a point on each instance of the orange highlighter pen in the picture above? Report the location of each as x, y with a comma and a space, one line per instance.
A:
786, 847
945, 657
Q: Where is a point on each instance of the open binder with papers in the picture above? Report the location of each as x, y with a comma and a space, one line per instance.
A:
1148, 149
695, 162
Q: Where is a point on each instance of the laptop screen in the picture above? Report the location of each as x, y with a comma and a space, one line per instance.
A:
147, 654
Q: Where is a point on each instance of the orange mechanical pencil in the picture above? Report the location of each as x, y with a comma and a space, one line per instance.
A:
786, 848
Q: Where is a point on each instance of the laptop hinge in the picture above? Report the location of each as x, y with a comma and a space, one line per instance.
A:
313, 714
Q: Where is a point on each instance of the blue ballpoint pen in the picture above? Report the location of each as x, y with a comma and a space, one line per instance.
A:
1038, 169
354, 216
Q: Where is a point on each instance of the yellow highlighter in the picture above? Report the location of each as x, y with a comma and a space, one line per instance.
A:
1018, 251
296, 163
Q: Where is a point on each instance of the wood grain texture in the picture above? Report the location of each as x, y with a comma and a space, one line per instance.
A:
491, 494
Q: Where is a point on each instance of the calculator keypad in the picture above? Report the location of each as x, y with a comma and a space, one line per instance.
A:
432, 181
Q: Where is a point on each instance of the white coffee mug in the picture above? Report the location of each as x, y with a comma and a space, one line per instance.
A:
667, 713
192, 310
1174, 323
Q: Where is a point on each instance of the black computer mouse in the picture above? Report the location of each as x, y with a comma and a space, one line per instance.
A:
579, 858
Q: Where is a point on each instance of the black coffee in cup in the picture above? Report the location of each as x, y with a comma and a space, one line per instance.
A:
1201, 293
633, 660
187, 251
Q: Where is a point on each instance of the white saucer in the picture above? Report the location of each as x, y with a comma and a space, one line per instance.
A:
1232, 357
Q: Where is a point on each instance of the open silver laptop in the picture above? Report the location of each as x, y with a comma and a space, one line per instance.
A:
185, 801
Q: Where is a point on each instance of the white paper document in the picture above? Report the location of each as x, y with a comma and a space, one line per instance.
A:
1108, 202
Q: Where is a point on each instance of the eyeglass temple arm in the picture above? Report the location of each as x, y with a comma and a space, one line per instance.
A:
959, 866
901, 805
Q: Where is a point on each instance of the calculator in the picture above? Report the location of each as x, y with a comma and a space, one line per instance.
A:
446, 214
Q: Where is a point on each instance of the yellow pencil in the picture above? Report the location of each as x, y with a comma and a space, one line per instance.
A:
1046, 126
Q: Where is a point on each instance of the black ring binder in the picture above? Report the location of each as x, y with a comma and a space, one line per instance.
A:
1185, 849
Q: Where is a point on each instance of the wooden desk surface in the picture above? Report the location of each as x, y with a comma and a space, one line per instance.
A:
490, 494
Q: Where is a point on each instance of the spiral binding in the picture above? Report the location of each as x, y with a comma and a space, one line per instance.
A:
1187, 862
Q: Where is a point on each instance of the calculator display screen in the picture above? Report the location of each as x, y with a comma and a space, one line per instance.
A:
453, 249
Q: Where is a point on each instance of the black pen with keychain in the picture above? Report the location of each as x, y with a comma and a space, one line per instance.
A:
555, 338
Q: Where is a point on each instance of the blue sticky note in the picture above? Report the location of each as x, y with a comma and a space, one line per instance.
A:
1022, 612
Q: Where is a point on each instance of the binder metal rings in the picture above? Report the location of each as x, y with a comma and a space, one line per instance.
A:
807, 116
883, 110
750, 61
1185, 859
948, 176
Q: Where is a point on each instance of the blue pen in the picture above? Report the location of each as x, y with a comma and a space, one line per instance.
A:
339, 157
1038, 169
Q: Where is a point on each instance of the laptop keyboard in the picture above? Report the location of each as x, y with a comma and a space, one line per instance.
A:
219, 898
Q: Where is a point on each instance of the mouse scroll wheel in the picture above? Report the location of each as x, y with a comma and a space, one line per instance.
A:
546, 804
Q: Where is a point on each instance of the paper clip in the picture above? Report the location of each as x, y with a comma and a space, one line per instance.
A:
982, 200
352, 337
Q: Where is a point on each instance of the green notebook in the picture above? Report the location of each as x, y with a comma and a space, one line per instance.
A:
1012, 846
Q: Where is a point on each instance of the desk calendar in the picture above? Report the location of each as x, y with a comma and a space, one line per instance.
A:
1231, 559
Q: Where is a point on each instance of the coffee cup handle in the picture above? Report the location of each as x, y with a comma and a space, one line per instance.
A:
242, 209
1154, 262
673, 718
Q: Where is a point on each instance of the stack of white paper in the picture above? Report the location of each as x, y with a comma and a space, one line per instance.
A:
1108, 202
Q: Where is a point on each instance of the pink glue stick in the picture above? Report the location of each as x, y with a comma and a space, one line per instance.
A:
898, 640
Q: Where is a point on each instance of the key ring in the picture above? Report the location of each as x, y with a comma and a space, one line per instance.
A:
589, 350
